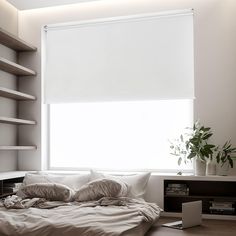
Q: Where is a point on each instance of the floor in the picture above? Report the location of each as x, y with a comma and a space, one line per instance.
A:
208, 228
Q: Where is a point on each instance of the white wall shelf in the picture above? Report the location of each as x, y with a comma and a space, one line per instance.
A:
14, 68
14, 42
13, 94
9, 148
15, 121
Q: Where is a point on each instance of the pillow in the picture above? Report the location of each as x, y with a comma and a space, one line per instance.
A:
97, 189
73, 181
54, 192
136, 182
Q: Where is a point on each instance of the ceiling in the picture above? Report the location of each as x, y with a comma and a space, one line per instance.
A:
32, 4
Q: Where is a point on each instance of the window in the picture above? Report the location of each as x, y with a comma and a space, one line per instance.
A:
117, 135
117, 90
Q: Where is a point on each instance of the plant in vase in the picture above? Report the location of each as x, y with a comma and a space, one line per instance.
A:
199, 148
225, 156
194, 145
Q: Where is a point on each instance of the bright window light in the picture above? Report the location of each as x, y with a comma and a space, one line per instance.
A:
117, 135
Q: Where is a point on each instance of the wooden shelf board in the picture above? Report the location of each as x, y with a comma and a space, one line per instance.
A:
9, 148
14, 68
14, 42
15, 121
13, 94
201, 197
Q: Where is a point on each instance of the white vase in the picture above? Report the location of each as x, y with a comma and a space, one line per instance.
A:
223, 169
199, 167
211, 168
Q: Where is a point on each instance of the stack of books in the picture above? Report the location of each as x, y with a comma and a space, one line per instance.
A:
225, 208
177, 190
11, 187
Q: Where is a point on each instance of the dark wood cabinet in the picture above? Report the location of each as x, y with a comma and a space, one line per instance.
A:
210, 192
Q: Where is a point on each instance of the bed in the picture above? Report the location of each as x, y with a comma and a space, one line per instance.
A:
91, 210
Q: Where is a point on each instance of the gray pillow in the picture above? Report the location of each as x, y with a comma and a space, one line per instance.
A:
97, 189
50, 191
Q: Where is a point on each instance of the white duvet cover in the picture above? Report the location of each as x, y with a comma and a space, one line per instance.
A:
105, 217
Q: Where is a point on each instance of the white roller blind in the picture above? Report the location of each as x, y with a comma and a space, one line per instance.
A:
141, 57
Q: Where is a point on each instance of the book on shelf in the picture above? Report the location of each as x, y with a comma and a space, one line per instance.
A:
177, 190
223, 211
11, 187
222, 207
222, 204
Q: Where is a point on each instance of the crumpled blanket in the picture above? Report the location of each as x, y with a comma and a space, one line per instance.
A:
16, 202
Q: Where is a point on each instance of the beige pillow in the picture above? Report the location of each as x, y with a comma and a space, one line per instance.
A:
54, 192
97, 189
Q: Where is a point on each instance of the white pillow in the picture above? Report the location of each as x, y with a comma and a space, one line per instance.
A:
54, 192
73, 181
137, 182
97, 189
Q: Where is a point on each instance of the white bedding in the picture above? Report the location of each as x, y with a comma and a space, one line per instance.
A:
105, 217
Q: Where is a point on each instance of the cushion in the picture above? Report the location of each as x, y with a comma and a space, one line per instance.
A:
97, 189
137, 182
54, 192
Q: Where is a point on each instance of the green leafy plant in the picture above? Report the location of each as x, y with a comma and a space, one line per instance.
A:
193, 143
198, 145
226, 154
178, 148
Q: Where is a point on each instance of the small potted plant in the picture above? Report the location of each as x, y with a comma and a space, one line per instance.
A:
225, 156
194, 145
199, 147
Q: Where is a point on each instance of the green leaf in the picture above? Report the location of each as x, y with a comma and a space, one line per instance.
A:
191, 155
179, 161
231, 163
207, 136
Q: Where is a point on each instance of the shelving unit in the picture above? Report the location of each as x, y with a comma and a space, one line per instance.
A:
206, 190
13, 42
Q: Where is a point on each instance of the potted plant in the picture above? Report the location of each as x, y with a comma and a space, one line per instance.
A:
199, 148
225, 156
194, 145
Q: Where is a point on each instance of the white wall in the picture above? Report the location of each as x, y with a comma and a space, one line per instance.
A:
215, 58
8, 107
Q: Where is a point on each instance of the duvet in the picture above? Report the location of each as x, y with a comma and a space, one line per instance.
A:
105, 217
